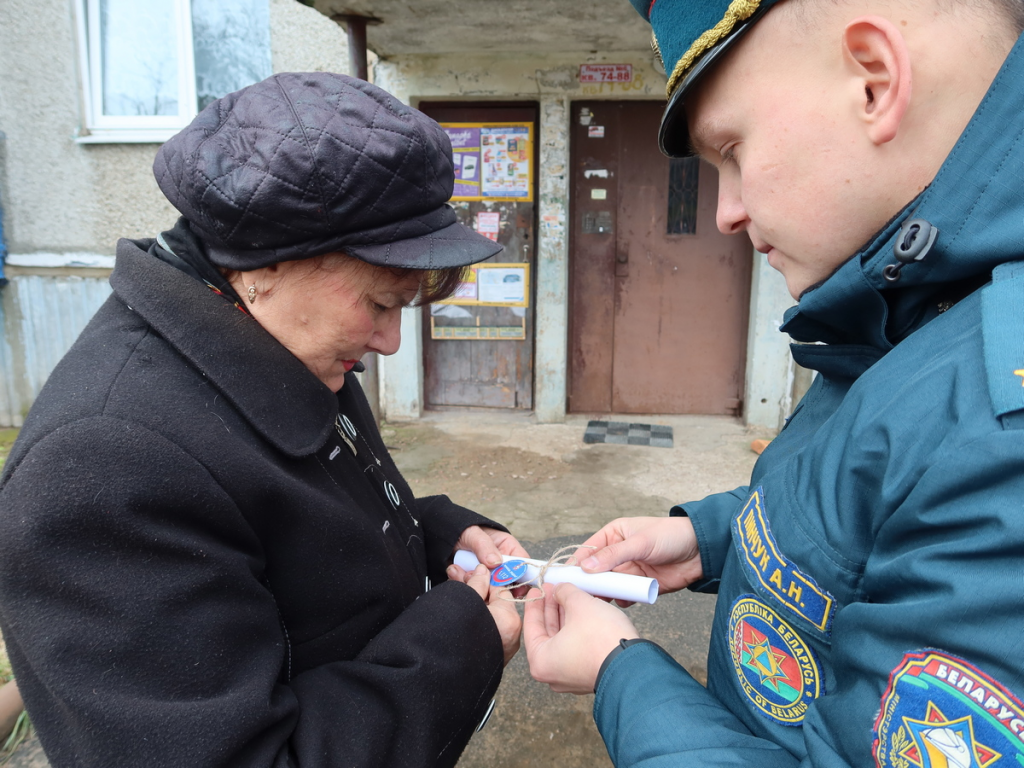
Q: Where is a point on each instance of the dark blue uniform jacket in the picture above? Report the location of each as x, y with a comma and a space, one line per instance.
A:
870, 593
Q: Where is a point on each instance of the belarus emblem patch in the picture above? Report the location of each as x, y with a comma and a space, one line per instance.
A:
776, 669
941, 712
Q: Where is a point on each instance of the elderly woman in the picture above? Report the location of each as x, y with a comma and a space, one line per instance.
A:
207, 556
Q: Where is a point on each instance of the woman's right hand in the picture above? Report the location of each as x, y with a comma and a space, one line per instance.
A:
662, 548
503, 611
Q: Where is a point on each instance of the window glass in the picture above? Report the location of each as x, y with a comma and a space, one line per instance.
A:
683, 175
140, 63
231, 40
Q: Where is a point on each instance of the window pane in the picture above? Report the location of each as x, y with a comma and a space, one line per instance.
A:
140, 60
683, 174
231, 39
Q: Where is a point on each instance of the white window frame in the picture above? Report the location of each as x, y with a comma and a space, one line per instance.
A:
100, 128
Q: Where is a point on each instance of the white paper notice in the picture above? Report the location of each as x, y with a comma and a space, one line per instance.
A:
618, 586
502, 285
469, 167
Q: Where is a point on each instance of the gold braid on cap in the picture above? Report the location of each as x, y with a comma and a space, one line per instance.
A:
738, 10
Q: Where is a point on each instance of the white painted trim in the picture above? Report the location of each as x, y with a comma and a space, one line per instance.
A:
127, 136
401, 374
52, 260
104, 129
770, 371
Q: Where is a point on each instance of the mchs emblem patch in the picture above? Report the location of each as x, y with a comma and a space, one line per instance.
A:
941, 712
776, 669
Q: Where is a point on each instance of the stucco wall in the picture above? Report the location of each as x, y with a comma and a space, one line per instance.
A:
62, 196
68, 203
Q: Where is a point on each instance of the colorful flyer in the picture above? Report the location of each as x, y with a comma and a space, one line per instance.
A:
494, 285
493, 161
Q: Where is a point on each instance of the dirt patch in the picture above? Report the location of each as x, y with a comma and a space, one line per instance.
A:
536, 496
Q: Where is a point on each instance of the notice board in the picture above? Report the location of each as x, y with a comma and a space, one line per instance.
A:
493, 161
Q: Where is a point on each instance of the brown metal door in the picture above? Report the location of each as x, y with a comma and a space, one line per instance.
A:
497, 374
659, 297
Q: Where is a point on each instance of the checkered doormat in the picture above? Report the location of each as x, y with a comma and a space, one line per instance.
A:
623, 433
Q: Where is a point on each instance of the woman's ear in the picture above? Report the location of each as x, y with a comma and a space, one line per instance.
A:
878, 61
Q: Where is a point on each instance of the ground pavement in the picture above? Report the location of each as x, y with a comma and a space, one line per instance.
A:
551, 489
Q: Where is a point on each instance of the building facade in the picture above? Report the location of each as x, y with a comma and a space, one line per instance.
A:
615, 293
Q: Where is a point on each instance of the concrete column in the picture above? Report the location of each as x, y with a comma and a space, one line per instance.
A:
770, 366
552, 311
401, 374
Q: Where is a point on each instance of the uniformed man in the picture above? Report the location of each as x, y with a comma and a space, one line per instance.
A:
870, 600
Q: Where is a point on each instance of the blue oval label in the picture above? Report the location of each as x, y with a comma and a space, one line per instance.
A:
508, 573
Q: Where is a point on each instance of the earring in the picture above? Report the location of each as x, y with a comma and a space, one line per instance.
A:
252, 293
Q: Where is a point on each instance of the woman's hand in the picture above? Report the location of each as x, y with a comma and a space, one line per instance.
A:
503, 611
489, 544
568, 636
662, 548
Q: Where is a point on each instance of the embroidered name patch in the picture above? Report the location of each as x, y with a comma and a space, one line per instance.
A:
776, 668
941, 711
783, 580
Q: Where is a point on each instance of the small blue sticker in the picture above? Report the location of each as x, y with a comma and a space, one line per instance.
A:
508, 574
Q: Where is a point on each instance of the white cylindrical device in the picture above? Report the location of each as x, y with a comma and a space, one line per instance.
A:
618, 586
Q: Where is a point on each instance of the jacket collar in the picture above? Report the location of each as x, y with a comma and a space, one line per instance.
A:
977, 203
269, 386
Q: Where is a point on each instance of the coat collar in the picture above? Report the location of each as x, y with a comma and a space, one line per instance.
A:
266, 383
977, 203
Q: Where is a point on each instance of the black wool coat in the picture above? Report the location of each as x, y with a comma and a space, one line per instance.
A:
207, 558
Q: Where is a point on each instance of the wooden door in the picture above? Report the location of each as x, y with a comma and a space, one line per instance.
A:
477, 372
659, 298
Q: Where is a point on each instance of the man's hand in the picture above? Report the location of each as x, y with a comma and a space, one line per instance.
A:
503, 610
662, 548
568, 636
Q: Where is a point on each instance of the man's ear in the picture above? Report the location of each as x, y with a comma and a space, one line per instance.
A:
877, 58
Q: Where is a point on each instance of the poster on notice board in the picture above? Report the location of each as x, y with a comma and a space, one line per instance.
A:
493, 161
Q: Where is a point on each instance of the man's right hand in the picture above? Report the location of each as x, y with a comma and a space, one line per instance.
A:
663, 548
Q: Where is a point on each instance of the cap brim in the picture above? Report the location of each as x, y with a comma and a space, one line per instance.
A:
453, 246
674, 135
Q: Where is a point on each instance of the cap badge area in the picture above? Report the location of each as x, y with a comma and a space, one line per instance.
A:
776, 669
939, 711
738, 10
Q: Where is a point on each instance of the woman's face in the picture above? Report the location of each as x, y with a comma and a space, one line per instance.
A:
330, 314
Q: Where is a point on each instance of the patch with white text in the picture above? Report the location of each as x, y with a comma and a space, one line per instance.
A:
784, 581
941, 712
776, 668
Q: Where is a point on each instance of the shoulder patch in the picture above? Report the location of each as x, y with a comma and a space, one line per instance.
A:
776, 668
1002, 324
940, 710
760, 557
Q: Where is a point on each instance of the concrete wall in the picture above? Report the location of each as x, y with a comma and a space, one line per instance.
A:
773, 382
67, 203
63, 196
553, 81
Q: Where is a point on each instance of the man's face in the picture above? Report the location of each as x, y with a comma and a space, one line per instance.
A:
777, 118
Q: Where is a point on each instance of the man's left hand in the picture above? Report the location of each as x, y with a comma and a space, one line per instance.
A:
568, 635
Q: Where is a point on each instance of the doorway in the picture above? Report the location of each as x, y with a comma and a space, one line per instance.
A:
659, 298
479, 352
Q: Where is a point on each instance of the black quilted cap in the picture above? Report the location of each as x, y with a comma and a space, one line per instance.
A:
303, 164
